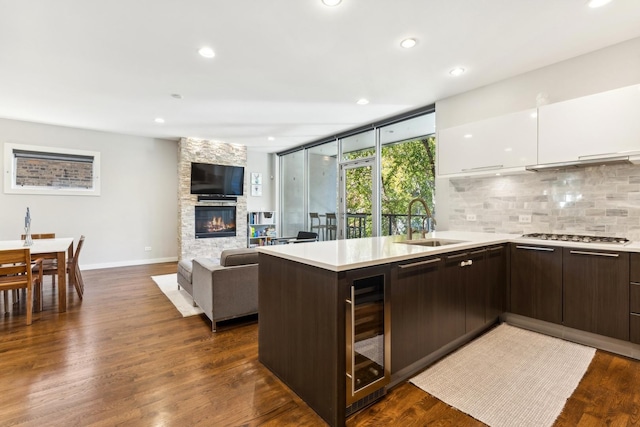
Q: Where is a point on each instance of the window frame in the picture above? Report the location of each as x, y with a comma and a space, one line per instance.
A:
10, 160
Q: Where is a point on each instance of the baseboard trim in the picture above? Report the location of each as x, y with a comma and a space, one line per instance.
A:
623, 348
127, 263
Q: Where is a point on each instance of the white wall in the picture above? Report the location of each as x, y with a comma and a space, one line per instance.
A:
263, 163
137, 207
610, 68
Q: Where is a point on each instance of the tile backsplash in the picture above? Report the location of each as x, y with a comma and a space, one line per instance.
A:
600, 200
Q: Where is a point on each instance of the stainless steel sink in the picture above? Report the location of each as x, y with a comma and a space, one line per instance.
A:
432, 242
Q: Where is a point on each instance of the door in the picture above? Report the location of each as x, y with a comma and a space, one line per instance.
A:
357, 199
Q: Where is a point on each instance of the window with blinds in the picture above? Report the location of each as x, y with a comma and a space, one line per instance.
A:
43, 170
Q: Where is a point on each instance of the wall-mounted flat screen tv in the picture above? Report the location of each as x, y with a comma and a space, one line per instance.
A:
213, 179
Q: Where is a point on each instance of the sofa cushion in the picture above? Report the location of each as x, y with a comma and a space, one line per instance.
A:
185, 269
233, 257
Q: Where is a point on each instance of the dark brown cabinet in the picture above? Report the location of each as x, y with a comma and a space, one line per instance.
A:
454, 305
496, 279
436, 300
536, 282
596, 291
634, 299
465, 272
416, 293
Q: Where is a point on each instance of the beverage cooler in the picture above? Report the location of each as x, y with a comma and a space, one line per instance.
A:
368, 338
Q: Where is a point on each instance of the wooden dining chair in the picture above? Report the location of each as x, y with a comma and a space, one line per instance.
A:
16, 273
73, 270
50, 265
40, 236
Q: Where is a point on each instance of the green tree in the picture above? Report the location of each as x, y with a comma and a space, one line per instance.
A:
408, 171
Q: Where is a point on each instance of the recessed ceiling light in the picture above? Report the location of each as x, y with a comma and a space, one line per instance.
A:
206, 52
331, 2
270, 138
408, 43
362, 101
468, 135
159, 120
534, 115
458, 71
597, 3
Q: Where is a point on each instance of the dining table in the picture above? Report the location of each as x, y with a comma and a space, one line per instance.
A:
59, 249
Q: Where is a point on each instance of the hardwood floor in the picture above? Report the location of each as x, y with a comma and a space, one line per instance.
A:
125, 356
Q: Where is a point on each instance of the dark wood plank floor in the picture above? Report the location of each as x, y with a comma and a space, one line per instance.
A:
125, 356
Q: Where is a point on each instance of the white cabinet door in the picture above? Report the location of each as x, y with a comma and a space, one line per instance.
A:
600, 125
489, 145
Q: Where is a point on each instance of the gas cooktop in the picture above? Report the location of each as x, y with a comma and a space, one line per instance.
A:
577, 238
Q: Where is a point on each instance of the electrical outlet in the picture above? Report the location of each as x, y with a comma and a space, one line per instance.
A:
147, 248
471, 217
524, 218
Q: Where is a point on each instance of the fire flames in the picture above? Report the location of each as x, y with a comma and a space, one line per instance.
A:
217, 224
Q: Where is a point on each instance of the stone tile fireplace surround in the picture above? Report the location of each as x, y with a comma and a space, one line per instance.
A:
600, 200
202, 151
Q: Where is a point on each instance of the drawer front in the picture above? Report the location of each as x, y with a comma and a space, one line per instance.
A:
634, 298
635, 268
634, 335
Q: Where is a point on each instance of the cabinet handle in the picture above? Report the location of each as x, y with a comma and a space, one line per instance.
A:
466, 263
420, 263
535, 248
452, 257
496, 248
481, 251
594, 253
605, 155
479, 168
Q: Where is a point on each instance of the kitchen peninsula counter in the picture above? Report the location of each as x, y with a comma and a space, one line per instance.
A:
343, 255
303, 308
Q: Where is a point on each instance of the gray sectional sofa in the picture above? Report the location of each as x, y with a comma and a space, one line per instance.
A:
224, 289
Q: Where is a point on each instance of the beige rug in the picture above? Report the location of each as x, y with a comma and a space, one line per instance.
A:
168, 284
509, 377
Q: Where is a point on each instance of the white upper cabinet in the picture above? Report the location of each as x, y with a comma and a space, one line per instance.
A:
596, 126
494, 144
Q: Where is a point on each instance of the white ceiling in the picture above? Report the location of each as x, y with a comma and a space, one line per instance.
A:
291, 69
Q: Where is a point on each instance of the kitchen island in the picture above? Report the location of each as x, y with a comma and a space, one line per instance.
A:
310, 327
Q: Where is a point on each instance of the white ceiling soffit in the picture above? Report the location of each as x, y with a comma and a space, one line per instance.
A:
289, 69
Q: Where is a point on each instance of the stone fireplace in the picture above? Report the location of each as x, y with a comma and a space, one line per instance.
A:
215, 221
195, 240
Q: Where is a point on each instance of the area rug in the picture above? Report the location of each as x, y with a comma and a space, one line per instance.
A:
168, 284
509, 377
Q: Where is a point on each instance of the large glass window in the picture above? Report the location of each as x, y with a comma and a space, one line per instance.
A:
323, 187
292, 212
407, 172
375, 190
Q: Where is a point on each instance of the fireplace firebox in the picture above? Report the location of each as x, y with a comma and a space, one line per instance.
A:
215, 221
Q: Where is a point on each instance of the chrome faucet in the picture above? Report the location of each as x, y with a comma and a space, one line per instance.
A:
426, 219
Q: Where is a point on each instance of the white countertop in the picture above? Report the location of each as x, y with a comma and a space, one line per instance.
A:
342, 255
